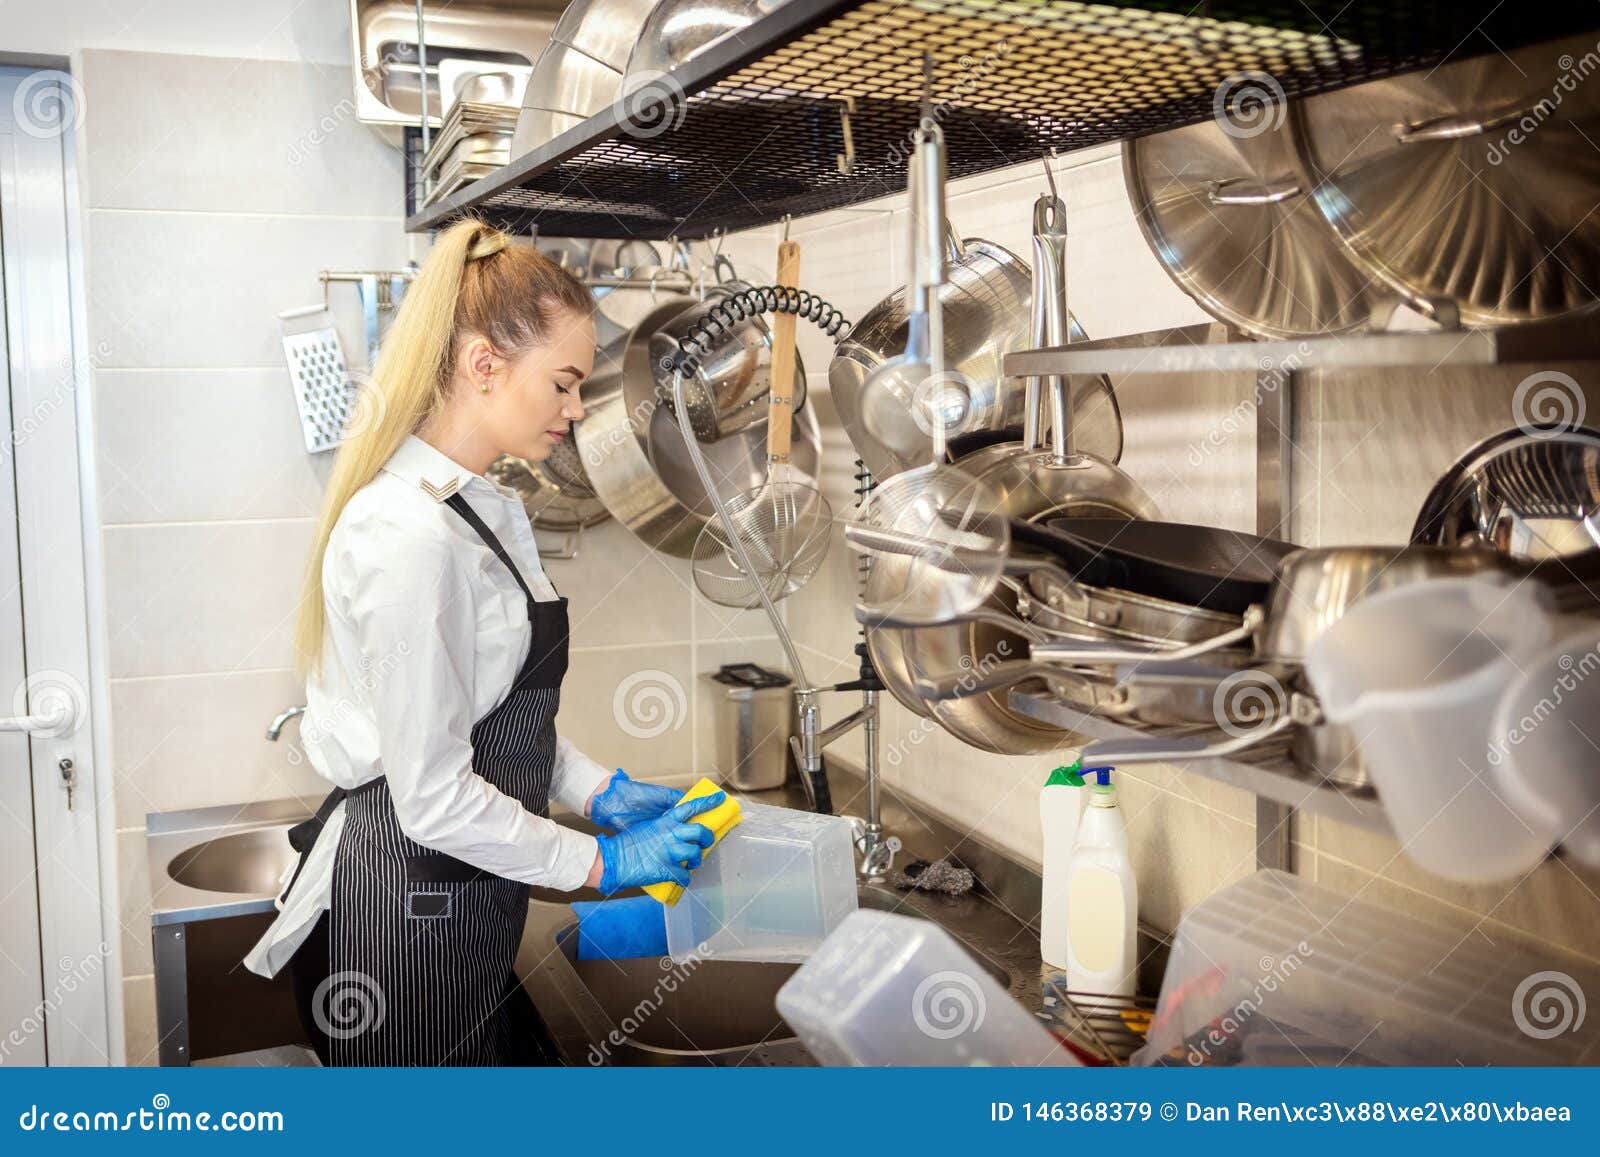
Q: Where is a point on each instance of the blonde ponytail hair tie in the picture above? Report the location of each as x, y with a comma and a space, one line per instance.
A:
487, 245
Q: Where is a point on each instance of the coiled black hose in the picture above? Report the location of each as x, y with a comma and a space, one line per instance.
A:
738, 307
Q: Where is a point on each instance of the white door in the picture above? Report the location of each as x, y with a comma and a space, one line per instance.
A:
57, 944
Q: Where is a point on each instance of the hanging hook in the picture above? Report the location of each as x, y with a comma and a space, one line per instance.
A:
786, 220
1050, 176
927, 86
847, 159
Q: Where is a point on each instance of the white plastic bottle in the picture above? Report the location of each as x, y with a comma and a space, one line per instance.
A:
1102, 901
1060, 806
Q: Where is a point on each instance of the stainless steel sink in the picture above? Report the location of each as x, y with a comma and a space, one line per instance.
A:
709, 1012
251, 862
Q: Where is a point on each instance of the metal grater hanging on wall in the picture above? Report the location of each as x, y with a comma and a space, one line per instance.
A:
324, 391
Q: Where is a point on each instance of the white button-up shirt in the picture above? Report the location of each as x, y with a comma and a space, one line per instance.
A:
426, 630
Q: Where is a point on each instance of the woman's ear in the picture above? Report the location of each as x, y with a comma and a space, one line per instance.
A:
478, 362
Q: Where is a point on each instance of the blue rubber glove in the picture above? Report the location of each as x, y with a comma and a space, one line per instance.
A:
626, 802
658, 850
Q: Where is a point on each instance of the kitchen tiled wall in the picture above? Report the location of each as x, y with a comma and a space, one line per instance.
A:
215, 191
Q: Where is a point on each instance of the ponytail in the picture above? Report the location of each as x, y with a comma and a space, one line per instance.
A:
474, 281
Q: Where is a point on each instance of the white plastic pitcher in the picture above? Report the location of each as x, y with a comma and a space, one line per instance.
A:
1417, 673
1547, 744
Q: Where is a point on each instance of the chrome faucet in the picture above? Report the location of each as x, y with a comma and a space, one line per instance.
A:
877, 850
275, 728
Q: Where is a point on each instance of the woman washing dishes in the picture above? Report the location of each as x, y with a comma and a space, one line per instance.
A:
434, 648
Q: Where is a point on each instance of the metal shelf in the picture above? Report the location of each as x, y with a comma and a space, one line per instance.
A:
754, 128
1271, 777
1200, 348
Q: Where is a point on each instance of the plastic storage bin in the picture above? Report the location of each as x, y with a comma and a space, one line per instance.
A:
1278, 971
772, 889
888, 989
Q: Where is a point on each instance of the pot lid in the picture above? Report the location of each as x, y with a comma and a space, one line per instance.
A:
1224, 208
1477, 181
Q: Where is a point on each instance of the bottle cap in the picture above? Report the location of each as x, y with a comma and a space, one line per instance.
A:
1103, 795
1065, 777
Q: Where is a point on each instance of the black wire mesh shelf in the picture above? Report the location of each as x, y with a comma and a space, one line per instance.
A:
755, 128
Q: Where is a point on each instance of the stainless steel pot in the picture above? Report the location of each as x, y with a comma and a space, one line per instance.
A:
634, 452
987, 301
727, 388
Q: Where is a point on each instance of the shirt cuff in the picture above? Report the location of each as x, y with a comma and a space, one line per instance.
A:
580, 775
575, 853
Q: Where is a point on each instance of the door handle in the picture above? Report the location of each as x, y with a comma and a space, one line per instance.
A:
60, 717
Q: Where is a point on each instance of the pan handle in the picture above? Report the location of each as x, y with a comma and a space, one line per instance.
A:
870, 618
1074, 652
1453, 127
1243, 191
1303, 711
964, 684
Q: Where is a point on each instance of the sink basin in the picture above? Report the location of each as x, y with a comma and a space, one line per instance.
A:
246, 862
708, 1012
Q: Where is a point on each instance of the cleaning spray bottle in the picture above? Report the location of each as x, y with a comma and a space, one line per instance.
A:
1102, 899
1060, 806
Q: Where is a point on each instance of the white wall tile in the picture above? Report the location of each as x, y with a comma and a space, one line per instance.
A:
205, 289
181, 445
632, 707
189, 741
241, 136
184, 598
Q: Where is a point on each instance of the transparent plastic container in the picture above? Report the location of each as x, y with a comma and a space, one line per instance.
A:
1416, 673
1275, 970
888, 989
772, 888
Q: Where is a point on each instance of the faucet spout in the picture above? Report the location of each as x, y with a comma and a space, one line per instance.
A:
275, 728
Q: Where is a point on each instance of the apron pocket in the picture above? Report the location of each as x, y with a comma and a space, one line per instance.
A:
422, 904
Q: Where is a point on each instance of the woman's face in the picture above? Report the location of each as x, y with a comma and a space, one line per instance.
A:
534, 397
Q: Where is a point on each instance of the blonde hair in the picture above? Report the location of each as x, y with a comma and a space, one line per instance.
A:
473, 282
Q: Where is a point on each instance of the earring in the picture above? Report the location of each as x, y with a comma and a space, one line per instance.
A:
484, 385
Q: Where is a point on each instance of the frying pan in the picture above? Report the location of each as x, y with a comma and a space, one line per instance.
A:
1200, 566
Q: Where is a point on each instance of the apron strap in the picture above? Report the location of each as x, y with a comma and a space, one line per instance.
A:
461, 507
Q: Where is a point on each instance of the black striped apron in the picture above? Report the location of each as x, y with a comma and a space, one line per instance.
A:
431, 939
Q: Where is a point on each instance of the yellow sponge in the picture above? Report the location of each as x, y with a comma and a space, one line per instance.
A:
719, 819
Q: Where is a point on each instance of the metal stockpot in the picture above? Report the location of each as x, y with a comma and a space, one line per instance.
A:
986, 301
635, 455
726, 390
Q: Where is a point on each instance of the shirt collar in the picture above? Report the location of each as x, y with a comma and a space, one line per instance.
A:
435, 473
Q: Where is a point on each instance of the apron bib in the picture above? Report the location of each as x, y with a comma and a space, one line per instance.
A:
427, 937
